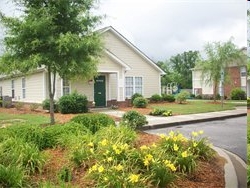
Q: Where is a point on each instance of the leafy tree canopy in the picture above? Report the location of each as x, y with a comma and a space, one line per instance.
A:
178, 68
54, 34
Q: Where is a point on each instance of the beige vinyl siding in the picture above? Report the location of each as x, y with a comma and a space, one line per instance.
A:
33, 90
139, 66
198, 82
83, 87
112, 87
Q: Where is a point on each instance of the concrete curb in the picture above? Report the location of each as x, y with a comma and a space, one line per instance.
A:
184, 122
231, 180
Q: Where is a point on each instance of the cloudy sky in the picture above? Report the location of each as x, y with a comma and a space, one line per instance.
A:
162, 28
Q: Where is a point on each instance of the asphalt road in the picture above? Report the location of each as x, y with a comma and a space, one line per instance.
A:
229, 134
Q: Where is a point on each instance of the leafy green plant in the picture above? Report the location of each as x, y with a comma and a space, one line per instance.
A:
11, 176
155, 98
93, 121
168, 98
19, 105
160, 112
73, 103
34, 106
140, 102
133, 119
46, 105
238, 94
65, 174
134, 96
248, 102
182, 96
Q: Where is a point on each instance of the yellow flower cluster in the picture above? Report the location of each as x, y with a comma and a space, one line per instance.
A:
184, 154
96, 168
148, 158
170, 165
133, 178
119, 148
176, 148
119, 167
144, 147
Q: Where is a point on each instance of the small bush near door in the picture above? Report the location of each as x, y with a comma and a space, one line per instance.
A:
73, 103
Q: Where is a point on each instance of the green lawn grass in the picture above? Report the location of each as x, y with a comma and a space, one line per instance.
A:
13, 119
192, 107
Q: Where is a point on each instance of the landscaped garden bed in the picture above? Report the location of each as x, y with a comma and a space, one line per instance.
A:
71, 155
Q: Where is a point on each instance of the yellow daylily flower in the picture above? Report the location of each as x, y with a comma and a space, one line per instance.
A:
133, 178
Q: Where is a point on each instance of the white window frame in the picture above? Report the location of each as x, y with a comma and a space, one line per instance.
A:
65, 87
133, 85
23, 87
12, 88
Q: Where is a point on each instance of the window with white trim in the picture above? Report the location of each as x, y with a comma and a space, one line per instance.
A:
12, 88
66, 87
133, 85
243, 71
23, 88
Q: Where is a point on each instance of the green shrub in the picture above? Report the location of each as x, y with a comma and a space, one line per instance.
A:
248, 102
198, 96
182, 96
238, 94
134, 96
168, 98
140, 102
160, 112
133, 119
46, 105
155, 98
93, 121
73, 103
34, 106
65, 174
19, 105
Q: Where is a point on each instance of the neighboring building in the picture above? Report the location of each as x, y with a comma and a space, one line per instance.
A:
123, 71
237, 76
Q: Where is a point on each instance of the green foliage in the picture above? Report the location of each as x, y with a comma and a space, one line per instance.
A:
161, 112
238, 94
155, 98
14, 151
134, 96
140, 102
46, 105
65, 174
168, 98
178, 69
133, 119
11, 176
93, 121
19, 105
73, 103
34, 106
182, 96
248, 102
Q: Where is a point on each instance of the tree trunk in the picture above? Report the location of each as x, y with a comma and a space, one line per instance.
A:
215, 90
51, 95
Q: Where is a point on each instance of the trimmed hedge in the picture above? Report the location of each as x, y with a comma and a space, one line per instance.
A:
155, 98
73, 103
134, 96
93, 121
168, 98
140, 102
46, 105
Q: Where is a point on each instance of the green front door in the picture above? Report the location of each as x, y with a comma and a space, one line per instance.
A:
100, 91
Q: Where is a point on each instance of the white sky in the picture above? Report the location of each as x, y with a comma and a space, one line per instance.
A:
162, 28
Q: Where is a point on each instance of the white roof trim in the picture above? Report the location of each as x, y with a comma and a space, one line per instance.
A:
112, 56
133, 47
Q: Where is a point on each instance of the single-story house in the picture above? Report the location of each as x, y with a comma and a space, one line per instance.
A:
123, 71
238, 78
